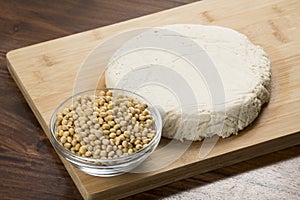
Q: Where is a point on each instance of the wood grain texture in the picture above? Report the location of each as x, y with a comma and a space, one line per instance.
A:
31, 167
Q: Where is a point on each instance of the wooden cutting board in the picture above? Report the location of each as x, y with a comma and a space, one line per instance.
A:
46, 73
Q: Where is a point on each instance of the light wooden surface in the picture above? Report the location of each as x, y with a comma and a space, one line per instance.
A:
46, 72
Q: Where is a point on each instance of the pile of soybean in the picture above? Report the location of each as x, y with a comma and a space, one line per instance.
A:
105, 126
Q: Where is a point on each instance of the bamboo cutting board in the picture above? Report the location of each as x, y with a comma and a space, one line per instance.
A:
46, 73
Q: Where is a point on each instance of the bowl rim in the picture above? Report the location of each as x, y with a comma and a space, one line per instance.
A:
63, 151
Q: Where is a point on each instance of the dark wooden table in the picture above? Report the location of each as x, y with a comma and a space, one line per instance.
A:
30, 168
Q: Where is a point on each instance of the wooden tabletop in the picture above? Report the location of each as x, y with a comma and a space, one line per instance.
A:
30, 168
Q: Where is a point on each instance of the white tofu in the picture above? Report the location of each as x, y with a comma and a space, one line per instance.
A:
196, 102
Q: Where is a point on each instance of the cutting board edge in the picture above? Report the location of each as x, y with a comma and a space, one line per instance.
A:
14, 51
45, 128
235, 157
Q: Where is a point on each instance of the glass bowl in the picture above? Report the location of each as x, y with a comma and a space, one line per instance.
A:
110, 166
